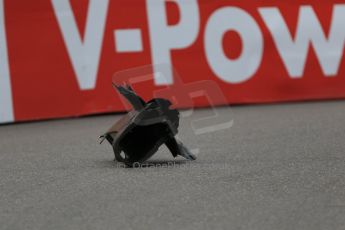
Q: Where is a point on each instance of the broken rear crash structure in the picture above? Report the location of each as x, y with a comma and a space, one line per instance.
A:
139, 134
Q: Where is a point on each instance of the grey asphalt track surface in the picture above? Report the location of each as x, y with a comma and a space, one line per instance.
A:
278, 167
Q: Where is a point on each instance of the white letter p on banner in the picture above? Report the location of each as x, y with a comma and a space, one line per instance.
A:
165, 38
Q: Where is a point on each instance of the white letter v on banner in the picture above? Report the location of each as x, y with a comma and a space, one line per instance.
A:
6, 104
84, 53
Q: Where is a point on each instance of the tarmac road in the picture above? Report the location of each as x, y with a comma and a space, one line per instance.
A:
277, 167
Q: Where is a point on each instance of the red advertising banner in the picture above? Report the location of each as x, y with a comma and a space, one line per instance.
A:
58, 57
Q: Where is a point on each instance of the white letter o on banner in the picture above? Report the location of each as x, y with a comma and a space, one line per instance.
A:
244, 67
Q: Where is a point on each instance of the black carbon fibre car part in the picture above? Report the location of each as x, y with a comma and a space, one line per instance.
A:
139, 134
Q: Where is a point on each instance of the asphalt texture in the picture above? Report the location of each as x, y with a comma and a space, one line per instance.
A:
278, 167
